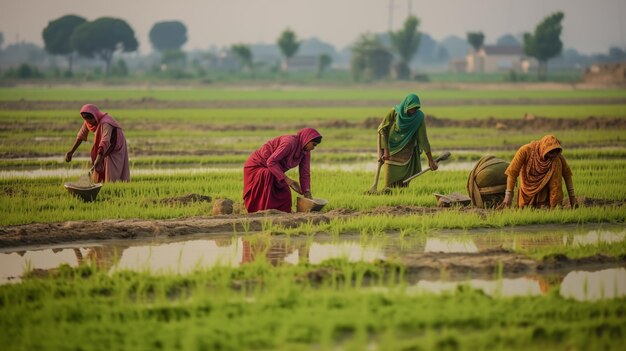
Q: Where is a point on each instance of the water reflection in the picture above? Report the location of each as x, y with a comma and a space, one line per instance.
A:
450, 245
578, 285
589, 286
597, 236
181, 257
351, 251
13, 265
503, 287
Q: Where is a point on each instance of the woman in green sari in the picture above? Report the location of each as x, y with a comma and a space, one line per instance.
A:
401, 139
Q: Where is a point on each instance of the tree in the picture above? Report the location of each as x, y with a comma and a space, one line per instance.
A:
57, 34
545, 43
406, 41
102, 37
508, 40
244, 54
476, 40
323, 62
288, 45
168, 35
370, 58
616, 54
1, 39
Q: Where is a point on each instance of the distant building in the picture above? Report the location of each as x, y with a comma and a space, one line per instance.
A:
223, 60
606, 73
491, 59
301, 63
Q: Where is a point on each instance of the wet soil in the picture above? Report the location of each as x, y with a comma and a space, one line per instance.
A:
151, 103
416, 264
527, 122
71, 231
491, 262
74, 231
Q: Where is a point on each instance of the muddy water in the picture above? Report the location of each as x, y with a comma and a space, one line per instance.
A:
578, 285
198, 251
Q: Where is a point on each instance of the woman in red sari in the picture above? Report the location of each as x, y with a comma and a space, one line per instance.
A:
109, 154
265, 185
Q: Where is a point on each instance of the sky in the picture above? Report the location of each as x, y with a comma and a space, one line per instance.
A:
590, 26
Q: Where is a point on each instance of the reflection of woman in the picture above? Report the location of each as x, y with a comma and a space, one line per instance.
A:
109, 154
402, 137
265, 184
541, 169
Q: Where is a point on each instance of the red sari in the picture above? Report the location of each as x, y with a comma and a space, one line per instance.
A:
264, 185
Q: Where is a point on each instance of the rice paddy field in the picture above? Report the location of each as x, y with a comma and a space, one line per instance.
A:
148, 266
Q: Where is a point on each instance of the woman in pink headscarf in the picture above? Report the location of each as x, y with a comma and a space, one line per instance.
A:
109, 154
265, 185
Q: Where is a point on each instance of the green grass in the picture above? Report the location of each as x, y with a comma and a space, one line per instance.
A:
262, 93
186, 119
263, 307
183, 143
45, 200
321, 157
613, 249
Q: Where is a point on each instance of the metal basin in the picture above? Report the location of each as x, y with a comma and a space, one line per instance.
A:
86, 192
310, 205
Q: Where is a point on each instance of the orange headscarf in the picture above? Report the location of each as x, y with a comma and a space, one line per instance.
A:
538, 170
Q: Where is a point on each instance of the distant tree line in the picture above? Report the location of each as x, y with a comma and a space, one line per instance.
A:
97, 39
372, 56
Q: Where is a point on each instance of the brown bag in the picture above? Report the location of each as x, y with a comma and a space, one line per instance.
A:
487, 181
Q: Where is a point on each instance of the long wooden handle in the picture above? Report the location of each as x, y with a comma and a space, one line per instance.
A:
374, 187
442, 157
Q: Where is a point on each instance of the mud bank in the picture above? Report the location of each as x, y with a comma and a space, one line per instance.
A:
85, 231
72, 231
490, 263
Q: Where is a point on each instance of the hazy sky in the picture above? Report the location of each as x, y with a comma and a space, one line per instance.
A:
590, 26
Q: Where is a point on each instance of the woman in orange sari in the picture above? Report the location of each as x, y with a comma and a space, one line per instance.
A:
541, 168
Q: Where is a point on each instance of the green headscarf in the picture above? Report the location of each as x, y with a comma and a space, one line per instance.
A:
405, 126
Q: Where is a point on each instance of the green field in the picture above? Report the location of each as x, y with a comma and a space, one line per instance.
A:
295, 93
338, 304
354, 308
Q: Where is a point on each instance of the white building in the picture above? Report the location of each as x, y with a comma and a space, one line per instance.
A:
491, 59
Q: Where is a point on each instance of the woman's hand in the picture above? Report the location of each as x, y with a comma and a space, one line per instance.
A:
385, 156
572, 202
293, 185
68, 156
508, 200
432, 164
308, 195
98, 164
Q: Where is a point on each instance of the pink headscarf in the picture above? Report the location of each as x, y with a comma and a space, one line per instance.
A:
306, 135
101, 117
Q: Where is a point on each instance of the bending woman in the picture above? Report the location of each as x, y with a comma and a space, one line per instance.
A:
265, 185
109, 154
541, 168
401, 139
